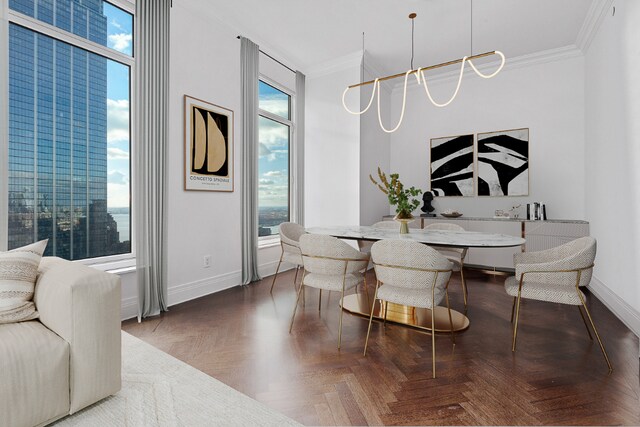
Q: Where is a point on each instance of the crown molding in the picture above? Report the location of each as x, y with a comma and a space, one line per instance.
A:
374, 68
537, 58
351, 60
592, 22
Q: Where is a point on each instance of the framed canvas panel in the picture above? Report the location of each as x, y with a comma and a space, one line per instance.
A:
208, 146
452, 166
503, 163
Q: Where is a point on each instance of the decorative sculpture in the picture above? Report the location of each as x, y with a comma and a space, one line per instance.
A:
427, 197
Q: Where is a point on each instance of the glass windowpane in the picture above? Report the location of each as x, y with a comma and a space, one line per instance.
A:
273, 176
274, 101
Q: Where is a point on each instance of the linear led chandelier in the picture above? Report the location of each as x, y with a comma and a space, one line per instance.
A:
421, 79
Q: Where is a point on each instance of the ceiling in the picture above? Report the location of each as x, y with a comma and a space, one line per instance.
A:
308, 33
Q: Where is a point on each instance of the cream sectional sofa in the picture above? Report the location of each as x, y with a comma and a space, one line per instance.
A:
70, 357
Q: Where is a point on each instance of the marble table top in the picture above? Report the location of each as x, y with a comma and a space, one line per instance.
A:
460, 239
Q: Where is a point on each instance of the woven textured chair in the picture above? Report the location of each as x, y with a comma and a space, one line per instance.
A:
290, 233
555, 275
330, 264
365, 245
410, 273
455, 255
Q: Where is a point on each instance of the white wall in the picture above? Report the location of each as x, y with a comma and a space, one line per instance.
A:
547, 98
374, 150
332, 148
612, 157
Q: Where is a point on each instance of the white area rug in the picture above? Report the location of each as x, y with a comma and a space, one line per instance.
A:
160, 390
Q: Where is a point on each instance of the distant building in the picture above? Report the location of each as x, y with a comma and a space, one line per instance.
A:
58, 135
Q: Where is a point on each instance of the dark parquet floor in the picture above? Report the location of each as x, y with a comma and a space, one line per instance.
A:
556, 377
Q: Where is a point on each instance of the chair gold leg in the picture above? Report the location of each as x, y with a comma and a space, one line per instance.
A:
341, 311
384, 320
273, 282
433, 326
375, 295
513, 308
604, 352
446, 296
295, 278
585, 323
319, 299
464, 285
295, 307
366, 289
433, 341
515, 325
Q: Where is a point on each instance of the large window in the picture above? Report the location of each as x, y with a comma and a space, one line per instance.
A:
70, 63
275, 126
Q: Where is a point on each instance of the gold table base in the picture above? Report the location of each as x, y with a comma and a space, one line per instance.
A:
360, 304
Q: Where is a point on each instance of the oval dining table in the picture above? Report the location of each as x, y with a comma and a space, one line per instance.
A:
360, 303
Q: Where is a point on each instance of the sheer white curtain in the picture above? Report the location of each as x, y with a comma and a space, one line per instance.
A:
152, 81
249, 55
298, 151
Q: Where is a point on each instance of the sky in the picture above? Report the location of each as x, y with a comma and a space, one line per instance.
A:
273, 162
120, 38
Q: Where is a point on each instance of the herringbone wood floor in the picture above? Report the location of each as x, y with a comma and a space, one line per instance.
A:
556, 377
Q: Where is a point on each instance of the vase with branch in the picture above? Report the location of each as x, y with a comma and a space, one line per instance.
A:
406, 200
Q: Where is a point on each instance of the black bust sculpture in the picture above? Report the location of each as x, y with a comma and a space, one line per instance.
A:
427, 197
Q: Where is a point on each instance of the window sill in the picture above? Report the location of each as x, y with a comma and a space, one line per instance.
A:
121, 266
269, 242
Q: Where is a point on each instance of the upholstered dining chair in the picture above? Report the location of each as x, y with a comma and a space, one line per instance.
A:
555, 275
330, 264
290, 233
455, 255
410, 273
365, 245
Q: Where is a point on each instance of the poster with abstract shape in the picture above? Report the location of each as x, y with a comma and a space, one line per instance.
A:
503, 163
208, 144
452, 166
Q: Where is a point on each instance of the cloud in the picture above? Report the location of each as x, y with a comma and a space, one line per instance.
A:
273, 135
266, 182
117, 120
275, 104
116, 24
116, 153
116, 177
120, 42
117, 195
273, 173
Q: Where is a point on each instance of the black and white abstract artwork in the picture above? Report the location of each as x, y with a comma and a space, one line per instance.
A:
503, 163
452, 166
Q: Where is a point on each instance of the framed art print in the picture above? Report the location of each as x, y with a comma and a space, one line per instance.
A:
503, 163
452, 166
208, 145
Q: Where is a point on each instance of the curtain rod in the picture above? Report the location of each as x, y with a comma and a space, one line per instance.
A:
279, 62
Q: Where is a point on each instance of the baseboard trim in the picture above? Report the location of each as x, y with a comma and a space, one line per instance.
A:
622, 310
129, 308
199, 288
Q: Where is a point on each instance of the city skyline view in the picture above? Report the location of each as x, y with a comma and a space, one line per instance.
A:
69, 139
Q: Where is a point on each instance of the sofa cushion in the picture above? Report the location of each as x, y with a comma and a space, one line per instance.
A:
34, 363
18, 272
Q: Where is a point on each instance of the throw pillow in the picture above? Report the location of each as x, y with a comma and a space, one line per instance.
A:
18, 273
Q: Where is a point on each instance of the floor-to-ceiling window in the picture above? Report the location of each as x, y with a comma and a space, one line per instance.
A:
70, 83
274, 164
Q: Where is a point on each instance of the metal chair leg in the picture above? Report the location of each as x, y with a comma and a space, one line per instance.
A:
341, 311
384, 320
515, 326
433, 340
295, 278
464, 285
295, 307
319, 299
513, 308
273, 282
375, 295
446, 296
585, 322
604, 352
